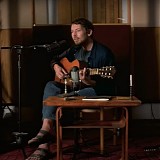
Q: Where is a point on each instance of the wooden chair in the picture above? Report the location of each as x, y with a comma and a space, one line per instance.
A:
110, 111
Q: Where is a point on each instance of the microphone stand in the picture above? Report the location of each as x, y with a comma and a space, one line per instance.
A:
18, 135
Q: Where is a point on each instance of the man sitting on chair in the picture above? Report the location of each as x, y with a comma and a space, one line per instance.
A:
95, 55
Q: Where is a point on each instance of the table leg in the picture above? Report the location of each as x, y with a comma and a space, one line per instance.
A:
126, 135
59, 133
101, 131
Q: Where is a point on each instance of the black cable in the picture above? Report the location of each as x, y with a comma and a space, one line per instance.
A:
152, 112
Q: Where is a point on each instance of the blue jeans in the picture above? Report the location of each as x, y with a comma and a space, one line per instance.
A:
52, 89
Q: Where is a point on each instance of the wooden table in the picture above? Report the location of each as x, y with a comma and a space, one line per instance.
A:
114, 102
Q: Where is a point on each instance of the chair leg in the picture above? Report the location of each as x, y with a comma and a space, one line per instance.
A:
76, 147
59, 134
115, 136
126, 135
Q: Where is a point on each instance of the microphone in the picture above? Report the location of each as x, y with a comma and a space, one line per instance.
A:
75, 77
53, 46
75, 74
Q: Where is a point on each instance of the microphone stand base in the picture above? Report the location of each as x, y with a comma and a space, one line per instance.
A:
19, 141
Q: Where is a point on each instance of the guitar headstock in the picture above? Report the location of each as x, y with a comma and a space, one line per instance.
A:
105, 72
108, 71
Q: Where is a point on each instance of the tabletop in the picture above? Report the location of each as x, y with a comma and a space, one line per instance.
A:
117, 101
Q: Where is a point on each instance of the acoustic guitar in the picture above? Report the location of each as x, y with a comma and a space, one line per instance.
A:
105, 72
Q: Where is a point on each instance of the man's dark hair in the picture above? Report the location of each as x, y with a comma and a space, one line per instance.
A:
84, 22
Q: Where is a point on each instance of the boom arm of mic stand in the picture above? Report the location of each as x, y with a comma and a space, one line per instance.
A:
5, 48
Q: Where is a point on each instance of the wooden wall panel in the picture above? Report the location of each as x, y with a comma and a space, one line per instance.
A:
64, 11
79, 9
99, 11
71, 10
6, 67
147, 63
106, 11
103, 11
9, 61
118, 38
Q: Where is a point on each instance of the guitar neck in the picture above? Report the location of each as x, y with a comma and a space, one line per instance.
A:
94, 71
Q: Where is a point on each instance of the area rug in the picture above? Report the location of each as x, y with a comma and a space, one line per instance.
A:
90, 150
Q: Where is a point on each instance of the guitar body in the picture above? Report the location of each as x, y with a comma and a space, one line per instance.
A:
67, 66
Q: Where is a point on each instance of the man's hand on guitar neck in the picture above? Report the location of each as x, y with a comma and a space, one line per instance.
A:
60, 72
85, 78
